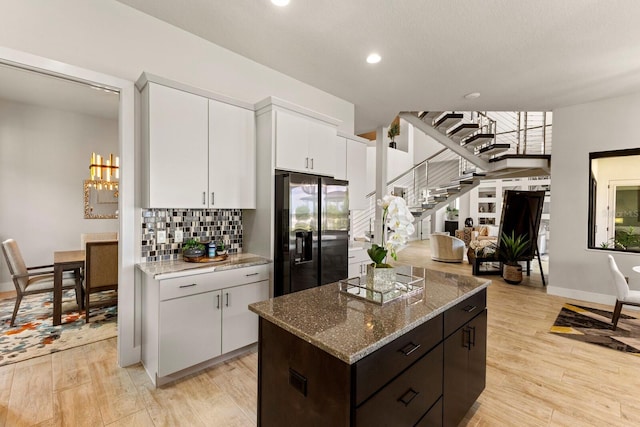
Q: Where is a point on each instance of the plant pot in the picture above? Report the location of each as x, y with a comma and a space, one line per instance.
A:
512, 274
392, 144
193, 253
381, 279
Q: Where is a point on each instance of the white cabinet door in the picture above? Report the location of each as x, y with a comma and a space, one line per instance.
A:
341, 159
232, 157
357, 174
178, 141
239, 325
322, 148
291, 142
189, 331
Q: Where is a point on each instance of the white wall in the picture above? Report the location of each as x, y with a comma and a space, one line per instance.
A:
114, 39
44, 159
610, 124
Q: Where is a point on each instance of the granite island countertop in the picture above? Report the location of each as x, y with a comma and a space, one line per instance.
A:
176, 268
350, 328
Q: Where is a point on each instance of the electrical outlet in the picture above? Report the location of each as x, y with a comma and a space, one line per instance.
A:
161, 237
178, 237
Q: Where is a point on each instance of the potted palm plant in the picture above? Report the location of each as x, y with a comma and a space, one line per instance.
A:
394, 130
511, 249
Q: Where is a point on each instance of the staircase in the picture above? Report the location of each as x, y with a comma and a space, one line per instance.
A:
478, 146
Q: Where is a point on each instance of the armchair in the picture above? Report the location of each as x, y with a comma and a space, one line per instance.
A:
446, 248
34, 280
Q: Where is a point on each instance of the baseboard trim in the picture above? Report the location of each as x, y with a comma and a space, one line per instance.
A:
581, 295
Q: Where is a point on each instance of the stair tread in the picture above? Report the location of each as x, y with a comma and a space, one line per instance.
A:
477, 139
463, 130
448, 120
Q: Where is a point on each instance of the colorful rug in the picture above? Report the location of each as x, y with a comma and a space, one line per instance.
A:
34, 334
594, 326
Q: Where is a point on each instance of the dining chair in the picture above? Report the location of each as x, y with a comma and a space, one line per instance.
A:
35, 280
94, 237
624, 296
100, 272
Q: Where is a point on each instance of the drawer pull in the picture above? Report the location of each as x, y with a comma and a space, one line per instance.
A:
188, 286
409, 348
469, 308
408, 396
352, 256
251, 274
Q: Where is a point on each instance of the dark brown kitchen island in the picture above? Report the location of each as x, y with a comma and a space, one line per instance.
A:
327, 359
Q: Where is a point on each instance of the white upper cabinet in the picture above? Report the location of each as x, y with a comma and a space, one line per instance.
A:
199, 152
177, 141
341, 158
357, 174
304, 144
232, 156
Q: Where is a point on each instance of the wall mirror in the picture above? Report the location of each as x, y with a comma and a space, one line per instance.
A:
100, 200
614, 200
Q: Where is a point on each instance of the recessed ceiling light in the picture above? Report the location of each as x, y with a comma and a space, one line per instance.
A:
280, 3
472, 95
373, 58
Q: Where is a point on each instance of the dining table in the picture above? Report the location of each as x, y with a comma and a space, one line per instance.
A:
64, 261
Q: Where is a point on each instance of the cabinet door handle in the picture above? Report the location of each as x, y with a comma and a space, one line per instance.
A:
409, 348
306, 162
408, 396
352, 256
227, 304
204, 197
466, 338
469, 308
188, 286
472, 340
312, 163
218, 298
213, 198
251, 274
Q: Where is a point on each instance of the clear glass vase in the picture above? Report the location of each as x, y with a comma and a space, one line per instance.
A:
381, 279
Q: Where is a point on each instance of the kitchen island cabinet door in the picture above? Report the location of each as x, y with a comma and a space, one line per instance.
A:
465, 354
232, 157
176, 137
239, 325
190, 331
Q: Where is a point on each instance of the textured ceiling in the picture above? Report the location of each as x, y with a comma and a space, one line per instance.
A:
520, 54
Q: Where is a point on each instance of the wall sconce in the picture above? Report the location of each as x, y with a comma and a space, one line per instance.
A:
104, 172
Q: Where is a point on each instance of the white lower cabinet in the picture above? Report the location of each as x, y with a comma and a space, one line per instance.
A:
192, 319
358, 261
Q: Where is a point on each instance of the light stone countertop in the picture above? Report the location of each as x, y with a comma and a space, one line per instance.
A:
178, 268
350, 328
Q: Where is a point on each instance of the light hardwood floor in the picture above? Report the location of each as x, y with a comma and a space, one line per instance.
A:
534, 378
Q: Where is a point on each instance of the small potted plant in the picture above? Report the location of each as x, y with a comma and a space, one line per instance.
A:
511, 249
221, 249
394, 130
193, 249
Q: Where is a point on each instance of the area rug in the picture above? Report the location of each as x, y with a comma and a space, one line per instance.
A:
34, 334
594, 326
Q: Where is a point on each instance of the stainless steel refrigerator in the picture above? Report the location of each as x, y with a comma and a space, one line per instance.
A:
311, 231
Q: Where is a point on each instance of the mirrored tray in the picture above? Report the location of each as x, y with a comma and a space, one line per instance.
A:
404, 286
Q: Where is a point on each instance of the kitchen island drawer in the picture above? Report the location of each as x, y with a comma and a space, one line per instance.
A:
406, 399
377, 369
464, 311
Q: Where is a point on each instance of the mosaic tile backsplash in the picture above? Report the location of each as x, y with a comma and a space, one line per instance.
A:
200, 224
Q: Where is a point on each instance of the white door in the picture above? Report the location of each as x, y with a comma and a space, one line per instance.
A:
322, 148
189, 331
232, 157
178, 142
239, 325
291, 142
357, 174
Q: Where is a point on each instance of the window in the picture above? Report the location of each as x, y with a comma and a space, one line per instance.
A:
614, 200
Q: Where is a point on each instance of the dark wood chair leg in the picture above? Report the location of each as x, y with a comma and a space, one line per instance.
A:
15, 310
616, 314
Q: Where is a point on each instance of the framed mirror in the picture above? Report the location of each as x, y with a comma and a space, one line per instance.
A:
100, 200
